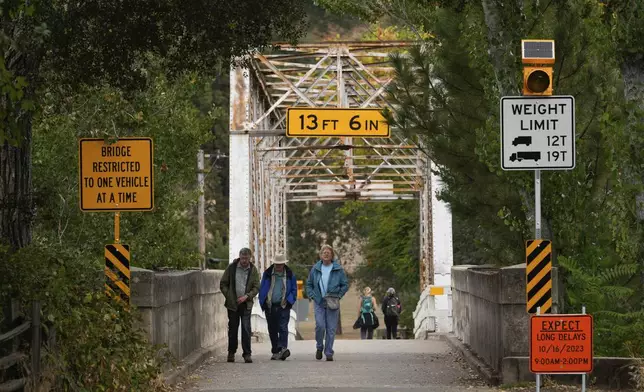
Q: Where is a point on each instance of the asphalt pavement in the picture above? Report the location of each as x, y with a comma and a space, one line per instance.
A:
360, 365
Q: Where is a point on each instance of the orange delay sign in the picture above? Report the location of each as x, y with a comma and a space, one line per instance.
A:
561, 343
116, 176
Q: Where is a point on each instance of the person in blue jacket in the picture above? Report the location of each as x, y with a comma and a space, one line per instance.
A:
277, 294
326, 285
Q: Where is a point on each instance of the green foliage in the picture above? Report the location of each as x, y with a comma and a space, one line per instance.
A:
391, 249
97, 41
99, 344
446, 93
165, 112
611, 295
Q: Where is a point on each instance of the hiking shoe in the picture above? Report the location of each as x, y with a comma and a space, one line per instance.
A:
231, 357
318, 354
285, 354
329, 358
275, 356
248, 359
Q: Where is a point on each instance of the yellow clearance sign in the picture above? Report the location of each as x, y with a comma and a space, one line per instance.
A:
321, 122
117, 176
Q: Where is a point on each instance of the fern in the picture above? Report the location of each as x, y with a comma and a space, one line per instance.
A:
628, 317
618, 292
569, 264
617, 272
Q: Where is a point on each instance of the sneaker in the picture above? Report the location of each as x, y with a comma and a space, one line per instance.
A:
231, 357
318, 354
275, 356
248, 359
285, 354
329, 358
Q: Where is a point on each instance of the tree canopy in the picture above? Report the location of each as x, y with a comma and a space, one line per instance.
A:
447, 93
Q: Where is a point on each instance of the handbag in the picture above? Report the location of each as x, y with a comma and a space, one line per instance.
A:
331, 302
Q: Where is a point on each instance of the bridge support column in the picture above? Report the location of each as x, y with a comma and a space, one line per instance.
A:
239, 168
443, 256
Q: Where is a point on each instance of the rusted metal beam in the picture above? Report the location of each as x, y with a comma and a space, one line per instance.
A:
350, 44
360, 198
342, 147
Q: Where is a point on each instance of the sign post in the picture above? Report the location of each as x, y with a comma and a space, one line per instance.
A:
115, 177
538, 133
561, 344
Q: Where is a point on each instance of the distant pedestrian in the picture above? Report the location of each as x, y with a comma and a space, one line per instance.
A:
239, 285
367, 309
277, 294
326, 285
391, 308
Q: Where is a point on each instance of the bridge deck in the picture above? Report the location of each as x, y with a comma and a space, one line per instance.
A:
360, 365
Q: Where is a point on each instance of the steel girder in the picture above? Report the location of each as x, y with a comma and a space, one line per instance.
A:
268, 169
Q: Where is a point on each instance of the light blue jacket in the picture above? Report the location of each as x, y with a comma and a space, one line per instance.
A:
338, 283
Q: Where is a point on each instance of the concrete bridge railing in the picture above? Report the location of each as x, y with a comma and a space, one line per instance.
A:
184, 310
489, 311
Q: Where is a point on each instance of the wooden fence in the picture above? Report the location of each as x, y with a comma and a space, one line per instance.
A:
14, 375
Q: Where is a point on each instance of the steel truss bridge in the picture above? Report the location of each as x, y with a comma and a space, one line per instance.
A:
269, 170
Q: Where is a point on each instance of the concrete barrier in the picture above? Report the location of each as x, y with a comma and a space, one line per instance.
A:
491, 323
183, 310
489, 311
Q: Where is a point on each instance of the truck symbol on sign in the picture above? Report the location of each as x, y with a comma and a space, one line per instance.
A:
527, 140
519, 156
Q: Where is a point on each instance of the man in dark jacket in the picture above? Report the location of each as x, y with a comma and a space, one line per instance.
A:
277, 294
239, 285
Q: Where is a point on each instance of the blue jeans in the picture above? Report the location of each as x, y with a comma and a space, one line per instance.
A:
277, 319
326, 322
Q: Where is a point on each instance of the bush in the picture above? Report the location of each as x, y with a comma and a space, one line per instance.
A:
99, 343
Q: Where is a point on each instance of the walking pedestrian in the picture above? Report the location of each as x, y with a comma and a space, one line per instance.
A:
239, 285
391, 308
326, 285
366, 310
277, 294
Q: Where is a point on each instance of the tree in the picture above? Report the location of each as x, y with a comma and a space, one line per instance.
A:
447, 92
49, 43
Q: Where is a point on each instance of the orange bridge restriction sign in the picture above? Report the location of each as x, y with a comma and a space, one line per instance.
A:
117, 176
561, 343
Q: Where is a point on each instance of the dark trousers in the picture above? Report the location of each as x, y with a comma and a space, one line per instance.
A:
366, 333
392, 326
277, 319
243, 314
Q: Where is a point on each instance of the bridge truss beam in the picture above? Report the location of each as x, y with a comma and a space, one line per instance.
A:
269, 170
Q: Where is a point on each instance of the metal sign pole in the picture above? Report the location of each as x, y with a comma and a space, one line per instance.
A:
117, 224
538, 374
583, 376
537, 204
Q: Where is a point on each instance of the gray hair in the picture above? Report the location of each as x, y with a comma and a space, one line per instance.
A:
391, 291
325, 247
244, 252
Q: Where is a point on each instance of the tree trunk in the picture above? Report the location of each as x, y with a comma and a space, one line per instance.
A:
22, 57
16, 209
502, 44
633, 74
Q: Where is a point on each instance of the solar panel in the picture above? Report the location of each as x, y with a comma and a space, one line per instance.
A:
538, 49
